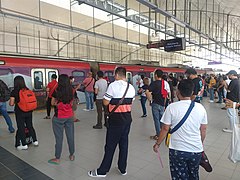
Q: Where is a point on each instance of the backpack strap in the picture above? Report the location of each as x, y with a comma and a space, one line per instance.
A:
120, 102
183, 119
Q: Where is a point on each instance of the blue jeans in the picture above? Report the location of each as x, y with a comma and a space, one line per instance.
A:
89, 99
184, 165
211, 92
220, 96
143, 103
3, 110
157, 112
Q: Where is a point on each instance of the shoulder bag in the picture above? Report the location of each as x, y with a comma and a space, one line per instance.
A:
83, 88
108, 114
179, 124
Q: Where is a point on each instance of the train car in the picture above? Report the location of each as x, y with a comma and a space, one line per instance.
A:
37, 72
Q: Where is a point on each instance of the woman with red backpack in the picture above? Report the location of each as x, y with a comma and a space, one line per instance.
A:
62, 100
23, 112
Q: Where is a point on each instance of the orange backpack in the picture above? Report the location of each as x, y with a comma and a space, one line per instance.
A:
28, 101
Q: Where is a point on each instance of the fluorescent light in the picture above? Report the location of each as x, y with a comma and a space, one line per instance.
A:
176, 21
134, 45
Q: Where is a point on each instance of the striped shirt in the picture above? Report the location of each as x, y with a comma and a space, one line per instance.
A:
114, 93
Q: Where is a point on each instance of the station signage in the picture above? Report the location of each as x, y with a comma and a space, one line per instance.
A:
169, 45
177, 44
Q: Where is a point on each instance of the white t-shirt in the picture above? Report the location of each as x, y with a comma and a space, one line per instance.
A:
166, 86
188, 137
116, 90
101, 85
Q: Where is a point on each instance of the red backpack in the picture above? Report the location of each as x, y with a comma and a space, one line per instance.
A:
28, 101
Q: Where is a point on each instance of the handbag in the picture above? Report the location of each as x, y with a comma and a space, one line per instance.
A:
204, 162
167, 140
83, 88
108, 114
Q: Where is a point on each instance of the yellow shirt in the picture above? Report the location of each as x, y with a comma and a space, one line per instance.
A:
212, 83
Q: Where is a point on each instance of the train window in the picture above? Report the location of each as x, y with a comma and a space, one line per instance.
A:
50, 73
129, 77
109, 75
5, 72
38, 80
78, 75
152, 76
2, 62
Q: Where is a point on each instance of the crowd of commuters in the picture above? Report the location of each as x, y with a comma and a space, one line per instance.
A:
114, 103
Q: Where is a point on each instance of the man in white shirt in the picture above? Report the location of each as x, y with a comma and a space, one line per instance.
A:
119, 124
100, 89
186, 143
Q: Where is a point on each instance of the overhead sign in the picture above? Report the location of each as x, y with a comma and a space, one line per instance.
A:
155, 44
177, 44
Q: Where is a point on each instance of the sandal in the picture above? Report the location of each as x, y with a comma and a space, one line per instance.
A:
154, 137
47, 117
72, 157
93, 173
54, 161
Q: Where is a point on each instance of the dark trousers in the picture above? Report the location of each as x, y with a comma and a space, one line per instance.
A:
59, 124
184, 165
48, 104
116, 135
143, 103
24, 120
100, 108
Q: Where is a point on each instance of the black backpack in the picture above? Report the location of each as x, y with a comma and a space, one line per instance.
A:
4, 92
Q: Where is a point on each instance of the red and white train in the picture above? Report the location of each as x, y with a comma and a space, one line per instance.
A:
43, 68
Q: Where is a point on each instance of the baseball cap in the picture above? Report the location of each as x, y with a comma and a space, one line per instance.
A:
233, 72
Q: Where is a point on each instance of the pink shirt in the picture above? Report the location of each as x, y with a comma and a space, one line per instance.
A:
86, 82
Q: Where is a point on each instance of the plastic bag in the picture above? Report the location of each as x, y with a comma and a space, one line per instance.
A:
234, 154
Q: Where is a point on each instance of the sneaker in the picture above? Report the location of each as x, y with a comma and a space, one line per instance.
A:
76, 120
35, 143
93, 173
86, 109
227, 130
97, 127
92, 109
122, 173
54, 161
223, 108
143, 116
11, 130
22, 147
47, 117
211, 101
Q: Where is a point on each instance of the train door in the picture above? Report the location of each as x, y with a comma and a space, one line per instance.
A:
6, 75
49, 73
129, 77
40, 78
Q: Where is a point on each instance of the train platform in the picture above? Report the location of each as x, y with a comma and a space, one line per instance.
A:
143, 163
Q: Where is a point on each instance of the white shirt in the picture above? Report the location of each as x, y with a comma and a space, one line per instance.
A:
166, 86
101, 85
116, 90
188, 137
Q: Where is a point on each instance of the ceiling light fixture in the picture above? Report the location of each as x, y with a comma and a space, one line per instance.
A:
175, 21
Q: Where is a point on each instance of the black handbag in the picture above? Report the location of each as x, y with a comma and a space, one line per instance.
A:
205, 162
83, 88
